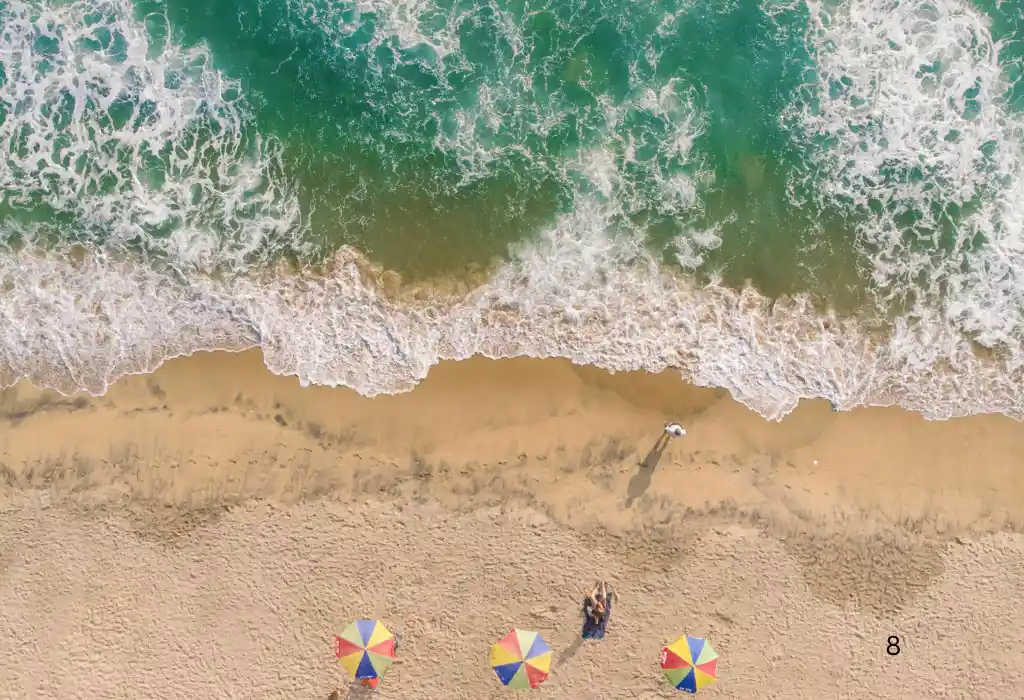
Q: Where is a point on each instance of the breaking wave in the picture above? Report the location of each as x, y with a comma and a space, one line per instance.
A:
152, 217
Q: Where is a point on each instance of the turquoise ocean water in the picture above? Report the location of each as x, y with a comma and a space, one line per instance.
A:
787, 199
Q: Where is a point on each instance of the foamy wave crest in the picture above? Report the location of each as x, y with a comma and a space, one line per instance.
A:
148, 146
907, 128
527, 96
133, 141
643, 160
602, 299
408, 23
582, 291
77, 322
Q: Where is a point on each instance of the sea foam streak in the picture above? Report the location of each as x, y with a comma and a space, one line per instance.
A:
587, 289
137, 143
75, 325
908, 122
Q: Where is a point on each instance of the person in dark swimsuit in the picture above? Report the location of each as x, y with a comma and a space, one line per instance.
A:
597, 609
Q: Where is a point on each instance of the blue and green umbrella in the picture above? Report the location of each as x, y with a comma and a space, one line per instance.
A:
522, 659
690, 663
366, 649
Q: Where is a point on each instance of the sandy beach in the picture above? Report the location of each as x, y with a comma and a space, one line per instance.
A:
204, 531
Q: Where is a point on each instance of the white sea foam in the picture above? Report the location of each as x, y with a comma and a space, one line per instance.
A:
140, 142
908, 118
76, 323
646, 137
576, 293
403, 22
587, 288
604, 300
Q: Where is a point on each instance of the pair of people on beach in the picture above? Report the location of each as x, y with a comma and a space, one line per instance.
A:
597, 609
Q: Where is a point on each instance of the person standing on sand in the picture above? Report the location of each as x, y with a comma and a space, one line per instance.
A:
672, 430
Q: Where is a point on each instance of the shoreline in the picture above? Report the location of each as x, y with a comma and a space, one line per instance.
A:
522, 416
349, 323
215, 517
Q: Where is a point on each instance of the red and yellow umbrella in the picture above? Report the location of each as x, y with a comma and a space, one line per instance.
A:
690, 663
366, 649
522, 659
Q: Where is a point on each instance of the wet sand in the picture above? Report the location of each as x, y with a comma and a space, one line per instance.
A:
203, 532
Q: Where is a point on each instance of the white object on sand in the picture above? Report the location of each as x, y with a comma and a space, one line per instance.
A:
675, 430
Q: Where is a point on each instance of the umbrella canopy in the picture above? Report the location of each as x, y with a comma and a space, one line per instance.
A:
522, 659
366, 649
690, 663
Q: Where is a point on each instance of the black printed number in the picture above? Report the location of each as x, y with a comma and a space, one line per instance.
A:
894, 646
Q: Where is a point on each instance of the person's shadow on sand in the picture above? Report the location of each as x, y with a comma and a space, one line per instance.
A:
570, 651
641, 481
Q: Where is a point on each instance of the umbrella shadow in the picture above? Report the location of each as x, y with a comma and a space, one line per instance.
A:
355, 691
641, 481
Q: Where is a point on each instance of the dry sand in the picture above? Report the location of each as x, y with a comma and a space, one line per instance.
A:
202, 532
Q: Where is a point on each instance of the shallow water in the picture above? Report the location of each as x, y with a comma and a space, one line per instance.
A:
783, 199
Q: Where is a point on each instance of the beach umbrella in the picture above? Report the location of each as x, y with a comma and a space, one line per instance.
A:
690, 663
366, 649
522, 659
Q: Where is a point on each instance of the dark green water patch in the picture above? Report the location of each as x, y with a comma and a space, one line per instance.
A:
1007, 25
433, 137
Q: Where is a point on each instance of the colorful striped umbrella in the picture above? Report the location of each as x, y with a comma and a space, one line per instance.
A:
690, 663
522, 659
366, 649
